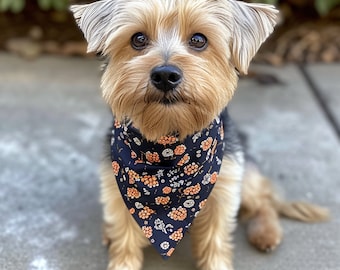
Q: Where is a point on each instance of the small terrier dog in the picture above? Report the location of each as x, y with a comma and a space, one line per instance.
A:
175, 161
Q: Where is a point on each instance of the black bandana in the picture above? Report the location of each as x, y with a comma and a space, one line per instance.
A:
166, 184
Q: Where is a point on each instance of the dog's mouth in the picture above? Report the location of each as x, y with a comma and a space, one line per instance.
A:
167, 99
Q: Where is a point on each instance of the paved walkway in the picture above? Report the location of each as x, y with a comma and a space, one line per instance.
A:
52, 123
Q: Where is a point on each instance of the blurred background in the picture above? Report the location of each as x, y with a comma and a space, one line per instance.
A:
308, 30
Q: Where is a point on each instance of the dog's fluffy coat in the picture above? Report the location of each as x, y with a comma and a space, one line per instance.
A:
234, 30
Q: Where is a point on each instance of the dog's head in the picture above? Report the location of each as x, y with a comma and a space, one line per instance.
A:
173, 63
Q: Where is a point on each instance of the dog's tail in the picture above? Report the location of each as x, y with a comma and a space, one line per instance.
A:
303, 211
258, 191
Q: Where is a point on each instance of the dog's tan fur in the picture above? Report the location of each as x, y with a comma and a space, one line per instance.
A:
235, 30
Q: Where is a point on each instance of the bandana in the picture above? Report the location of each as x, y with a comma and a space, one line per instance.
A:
166, 183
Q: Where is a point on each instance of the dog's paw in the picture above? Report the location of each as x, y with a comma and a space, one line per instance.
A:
219, 265
265, 236
127, 265
122, 259
217, 260
265, 241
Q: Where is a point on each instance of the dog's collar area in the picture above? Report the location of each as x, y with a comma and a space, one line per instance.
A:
165, 184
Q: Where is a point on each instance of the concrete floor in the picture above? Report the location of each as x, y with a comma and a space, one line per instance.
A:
52, 123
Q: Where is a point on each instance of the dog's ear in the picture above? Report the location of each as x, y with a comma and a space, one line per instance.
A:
252, 24
93, 19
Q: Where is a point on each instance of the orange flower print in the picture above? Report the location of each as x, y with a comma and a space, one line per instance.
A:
132, 211
179, 213
133, 154
133, 176
115, 167
164, 140
202, 204
167, 190
170, 251
145, 213
180, 149
139, 161
162, 200
192, 190
213, 178
150, 181
191, 168
152, 157
184, 160
206, 144
133, 193
117, 124
147, 230
177, 235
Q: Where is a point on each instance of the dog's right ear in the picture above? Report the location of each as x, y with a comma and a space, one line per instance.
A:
93, 19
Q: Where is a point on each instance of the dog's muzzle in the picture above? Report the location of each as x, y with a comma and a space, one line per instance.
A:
166, 78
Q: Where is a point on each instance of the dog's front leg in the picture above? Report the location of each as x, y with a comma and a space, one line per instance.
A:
212, 229
125, 238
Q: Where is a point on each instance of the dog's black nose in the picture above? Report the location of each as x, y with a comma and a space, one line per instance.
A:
166, 78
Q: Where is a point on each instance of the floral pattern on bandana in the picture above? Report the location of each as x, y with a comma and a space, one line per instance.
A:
166, 183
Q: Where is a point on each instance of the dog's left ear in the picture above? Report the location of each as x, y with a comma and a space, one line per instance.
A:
93, 19
252, 24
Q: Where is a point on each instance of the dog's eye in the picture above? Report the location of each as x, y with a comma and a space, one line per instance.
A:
198, 42
139, 41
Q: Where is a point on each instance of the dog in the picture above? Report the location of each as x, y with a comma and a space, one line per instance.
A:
174, 158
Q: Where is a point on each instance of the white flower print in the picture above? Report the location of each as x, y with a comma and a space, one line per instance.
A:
189, 203
175, 185
168, 152
196, 136
198, 153
160, 226
146, 192
219, 161
165, 245
208, 154
139, 205
160, 173
206, 179
172, 172
137, 141
175, 178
